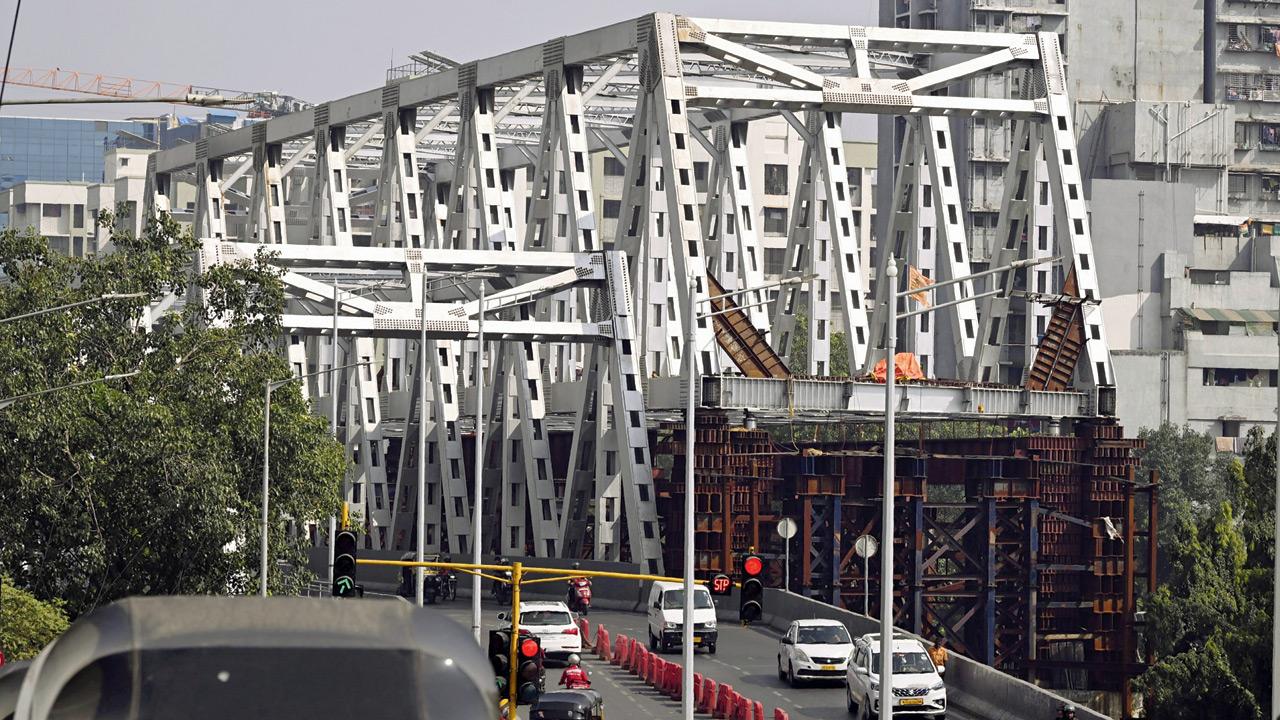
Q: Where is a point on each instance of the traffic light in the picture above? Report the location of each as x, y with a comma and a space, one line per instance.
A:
344, 565
531, 672
751, 598
499, 652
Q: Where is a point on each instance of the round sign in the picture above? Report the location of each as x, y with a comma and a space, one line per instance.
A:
787, 528
865, 546
753, 566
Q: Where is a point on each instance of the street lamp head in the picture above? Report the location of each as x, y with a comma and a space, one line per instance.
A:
891, 267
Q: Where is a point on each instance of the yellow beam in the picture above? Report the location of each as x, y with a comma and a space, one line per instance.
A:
555, 573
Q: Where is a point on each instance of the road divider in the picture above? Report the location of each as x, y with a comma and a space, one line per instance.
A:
724, 703
707, 703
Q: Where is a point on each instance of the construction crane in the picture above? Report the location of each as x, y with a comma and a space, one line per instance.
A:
258, 104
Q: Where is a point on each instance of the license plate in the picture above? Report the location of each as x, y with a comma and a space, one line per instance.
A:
828, 667
697, 638
911, 701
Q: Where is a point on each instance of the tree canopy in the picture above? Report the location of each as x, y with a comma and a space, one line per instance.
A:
26, 623
1209, 623
150, 484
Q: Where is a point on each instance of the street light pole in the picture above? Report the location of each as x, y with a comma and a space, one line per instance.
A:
269, 387
477, 476
690, 459
68, 306
420, 573
1275, 595
886, 513
890, 449
333, 413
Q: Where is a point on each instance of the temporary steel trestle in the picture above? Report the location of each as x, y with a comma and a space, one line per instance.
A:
387, 210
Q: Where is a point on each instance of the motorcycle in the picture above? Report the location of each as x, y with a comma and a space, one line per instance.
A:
501, 591
449, 588
579, 599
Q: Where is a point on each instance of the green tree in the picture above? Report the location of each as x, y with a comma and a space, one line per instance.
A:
26, 623
150, 485
1193, 479
799, 358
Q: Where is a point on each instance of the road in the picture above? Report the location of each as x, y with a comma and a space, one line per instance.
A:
746, 658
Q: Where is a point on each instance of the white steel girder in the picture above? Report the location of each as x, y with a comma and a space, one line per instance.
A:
439, 149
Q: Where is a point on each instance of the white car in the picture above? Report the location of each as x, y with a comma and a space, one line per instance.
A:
814, 650
553, 624
917, 685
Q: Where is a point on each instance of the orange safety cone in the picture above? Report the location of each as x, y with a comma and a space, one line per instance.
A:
697, 690
757, 710
780, 714
724, 703
708, 703
622, 654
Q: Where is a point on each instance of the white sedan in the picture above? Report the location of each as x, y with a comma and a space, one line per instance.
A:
814, 650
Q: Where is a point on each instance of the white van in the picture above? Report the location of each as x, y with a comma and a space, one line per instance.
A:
666, 617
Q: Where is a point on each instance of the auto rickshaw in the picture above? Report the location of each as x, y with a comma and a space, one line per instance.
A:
568, 705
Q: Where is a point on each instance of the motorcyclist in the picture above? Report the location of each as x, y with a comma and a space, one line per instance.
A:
1067, 712
574, 677
576, 582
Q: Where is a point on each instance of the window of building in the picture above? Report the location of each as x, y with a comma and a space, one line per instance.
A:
611, 208
613, 167
1268, 36
124, 162
1268, 136
77, 216
1271, 186
1238, 377
775, 180
1237, 185
50, 210
700, 170
854, 176
773, 260
775, 221
1244, 136
1240, 38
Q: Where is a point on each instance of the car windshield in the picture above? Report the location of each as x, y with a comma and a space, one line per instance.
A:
906, 663
823, 635
674, 600
545, 617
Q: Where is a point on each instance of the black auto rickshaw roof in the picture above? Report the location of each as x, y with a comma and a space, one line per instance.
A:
219, 657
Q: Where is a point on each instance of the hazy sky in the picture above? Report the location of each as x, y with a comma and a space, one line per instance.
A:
317, 49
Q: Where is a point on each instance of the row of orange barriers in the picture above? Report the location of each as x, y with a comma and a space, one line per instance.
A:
711, 698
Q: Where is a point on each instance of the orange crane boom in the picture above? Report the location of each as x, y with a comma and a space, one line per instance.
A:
261, 103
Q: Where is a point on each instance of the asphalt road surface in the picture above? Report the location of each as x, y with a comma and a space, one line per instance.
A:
746, 658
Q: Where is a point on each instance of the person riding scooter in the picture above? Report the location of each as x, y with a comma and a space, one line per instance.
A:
574, 677
579, 598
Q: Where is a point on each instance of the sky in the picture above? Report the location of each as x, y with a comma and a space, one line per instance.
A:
317, 50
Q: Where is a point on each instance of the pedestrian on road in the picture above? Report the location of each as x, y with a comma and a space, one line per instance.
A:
938, 653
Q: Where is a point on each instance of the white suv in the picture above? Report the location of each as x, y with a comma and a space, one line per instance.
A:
554, 625
917, 685
813, 650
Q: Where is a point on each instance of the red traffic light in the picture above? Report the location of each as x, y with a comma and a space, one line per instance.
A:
529, 648
753, 565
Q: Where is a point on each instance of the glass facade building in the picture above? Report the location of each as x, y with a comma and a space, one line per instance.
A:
59, 149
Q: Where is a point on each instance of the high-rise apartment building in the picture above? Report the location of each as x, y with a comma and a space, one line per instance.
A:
1183, 92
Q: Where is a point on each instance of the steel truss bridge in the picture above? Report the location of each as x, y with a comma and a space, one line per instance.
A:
481, 174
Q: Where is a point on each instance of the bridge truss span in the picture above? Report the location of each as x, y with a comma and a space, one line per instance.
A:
388, 209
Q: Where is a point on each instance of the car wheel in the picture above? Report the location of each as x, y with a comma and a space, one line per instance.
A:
848, 699
711, 649
781, 675
791, 675
653, 642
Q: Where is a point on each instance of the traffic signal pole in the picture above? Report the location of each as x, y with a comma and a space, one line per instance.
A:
513, 676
